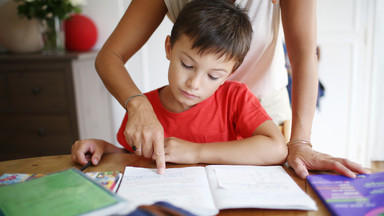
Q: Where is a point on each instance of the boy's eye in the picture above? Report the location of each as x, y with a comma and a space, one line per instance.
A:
212, 77
186, 66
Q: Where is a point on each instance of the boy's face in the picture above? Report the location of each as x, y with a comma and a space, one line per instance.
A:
193, 77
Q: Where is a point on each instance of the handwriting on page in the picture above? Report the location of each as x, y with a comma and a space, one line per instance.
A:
255, 186
257, 179
177, 186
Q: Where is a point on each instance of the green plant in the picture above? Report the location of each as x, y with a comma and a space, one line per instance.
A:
46, 9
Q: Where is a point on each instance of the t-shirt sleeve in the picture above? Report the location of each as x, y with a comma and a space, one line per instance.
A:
120, 134
248, 114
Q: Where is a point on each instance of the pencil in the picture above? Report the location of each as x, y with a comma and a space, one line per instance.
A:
86, 166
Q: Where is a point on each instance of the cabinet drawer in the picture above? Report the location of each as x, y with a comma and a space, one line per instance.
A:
37, 91
32, 136
3, 92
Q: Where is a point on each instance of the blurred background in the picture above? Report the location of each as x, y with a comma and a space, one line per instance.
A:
349, 120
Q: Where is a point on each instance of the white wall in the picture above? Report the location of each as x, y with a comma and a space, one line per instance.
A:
106, 15
339, 126
348, 121
376, 135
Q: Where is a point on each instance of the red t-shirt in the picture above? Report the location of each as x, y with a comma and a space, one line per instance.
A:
231, 113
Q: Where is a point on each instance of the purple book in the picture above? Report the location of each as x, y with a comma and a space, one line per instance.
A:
363, 195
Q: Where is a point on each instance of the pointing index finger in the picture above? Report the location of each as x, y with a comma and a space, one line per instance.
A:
159, 155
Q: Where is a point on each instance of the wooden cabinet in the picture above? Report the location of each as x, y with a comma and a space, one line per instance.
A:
41, 100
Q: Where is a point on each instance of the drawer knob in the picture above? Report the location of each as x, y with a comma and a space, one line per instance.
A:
41, 132
36, 90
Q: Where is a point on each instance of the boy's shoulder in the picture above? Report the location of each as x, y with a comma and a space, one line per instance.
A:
234, 90
236, 86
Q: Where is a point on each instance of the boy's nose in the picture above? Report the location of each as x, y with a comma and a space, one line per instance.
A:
194, 82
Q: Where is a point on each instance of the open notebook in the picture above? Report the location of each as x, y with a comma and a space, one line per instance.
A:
206, 190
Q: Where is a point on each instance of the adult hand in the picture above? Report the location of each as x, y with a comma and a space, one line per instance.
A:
303, 158
144, 132
82, 148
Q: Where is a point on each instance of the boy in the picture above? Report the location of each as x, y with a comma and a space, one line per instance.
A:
206, 119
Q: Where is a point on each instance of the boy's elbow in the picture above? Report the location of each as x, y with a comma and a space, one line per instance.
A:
281, 152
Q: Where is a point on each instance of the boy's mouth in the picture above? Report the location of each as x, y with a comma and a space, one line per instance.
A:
188, 95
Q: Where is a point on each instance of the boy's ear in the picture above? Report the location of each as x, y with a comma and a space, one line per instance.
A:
168, 47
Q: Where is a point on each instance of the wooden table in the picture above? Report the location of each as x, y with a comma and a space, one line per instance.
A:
113, 162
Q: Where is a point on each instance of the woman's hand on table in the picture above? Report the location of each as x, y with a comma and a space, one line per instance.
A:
303, 158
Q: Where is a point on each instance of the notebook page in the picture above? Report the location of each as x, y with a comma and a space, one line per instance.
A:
267, 187
187, 188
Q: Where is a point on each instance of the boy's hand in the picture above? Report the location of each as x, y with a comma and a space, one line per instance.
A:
144, 132
81, 148
180, 151
304, 158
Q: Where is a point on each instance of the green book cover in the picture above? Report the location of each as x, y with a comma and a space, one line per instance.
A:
69, 192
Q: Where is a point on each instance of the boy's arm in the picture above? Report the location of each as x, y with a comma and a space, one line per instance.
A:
95, 147
265, 147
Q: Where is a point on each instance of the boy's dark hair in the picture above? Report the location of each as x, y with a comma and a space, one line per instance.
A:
216, 26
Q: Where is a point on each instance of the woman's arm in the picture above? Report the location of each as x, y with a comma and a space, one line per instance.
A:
299, 22
134, 29
300, 29
265, 147
136, 26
